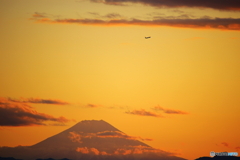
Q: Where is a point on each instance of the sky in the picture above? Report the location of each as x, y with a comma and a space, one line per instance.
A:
64, 61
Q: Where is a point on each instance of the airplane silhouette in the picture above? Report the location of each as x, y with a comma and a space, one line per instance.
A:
147, 37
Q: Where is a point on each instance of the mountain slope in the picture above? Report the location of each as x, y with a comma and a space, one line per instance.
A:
89, 134
87, 140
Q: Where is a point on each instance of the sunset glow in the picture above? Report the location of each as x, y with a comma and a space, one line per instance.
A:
64, 61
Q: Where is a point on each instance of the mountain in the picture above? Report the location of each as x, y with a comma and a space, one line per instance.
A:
90, 134
88, 140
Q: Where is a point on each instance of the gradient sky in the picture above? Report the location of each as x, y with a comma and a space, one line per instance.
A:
63, 61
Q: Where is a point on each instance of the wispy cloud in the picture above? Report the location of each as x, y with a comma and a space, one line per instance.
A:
113, 15
237, 148
77, 137
143, 112
109, 15
137, 150
126, 151
214, 4
22, 114
90, 105
183, 22
169, 111
37, 100
39, 15
117, 134
225, 144
228, 145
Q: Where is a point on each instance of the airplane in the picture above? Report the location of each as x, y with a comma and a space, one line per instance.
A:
147, 37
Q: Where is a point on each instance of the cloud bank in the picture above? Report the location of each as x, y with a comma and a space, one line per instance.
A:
143, 112
77, 137
125, 151
13, 113
213, 4
200, 23
90, 105
37, 100
169, 111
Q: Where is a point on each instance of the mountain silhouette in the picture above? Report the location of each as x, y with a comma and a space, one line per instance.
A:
89, 140
91, 134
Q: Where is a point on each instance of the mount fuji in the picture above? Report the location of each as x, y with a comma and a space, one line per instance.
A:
90, 140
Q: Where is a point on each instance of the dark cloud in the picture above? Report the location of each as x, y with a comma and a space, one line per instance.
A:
183, 22
110, 2
214, 4
143, 112
237, 148
112, 15
169, 111
39, 15
182, 16
94, 13
109, 134
21, 114
37, 100
225, 144
109, 15
93, 105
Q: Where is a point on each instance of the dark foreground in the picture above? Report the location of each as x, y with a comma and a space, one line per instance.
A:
201, 158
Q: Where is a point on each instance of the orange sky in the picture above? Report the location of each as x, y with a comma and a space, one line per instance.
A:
67, 61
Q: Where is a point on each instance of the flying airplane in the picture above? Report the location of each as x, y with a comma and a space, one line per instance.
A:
147, 37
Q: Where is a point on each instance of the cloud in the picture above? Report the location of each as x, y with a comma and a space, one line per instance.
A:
37, 100
237, 148
125, 151
113, 2
93, 105
22, 114
118, 134
144, 149
39, 15
183, 22
214, 4
86, 150
169, 111
94, 14
94, 151
142, 112
228, 145
180, 16
112, 15
121, 151
75, 137
83, 150
109, 15
225, 144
